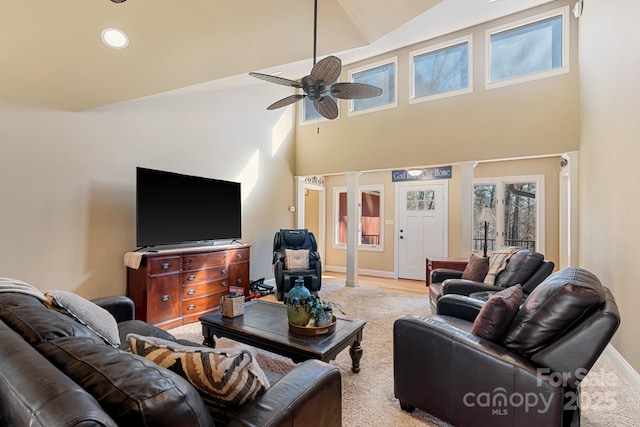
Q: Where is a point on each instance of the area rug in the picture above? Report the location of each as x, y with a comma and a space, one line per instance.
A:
608, 396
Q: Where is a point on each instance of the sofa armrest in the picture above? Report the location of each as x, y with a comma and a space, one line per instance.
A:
439, 275
466, 287
121, 307
295, 399
460, 306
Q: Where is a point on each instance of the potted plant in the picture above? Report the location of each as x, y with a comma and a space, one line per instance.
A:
321, 311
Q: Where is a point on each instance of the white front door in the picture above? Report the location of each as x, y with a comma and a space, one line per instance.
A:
422, 226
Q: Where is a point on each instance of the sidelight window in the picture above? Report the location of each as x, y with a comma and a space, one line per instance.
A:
370, 218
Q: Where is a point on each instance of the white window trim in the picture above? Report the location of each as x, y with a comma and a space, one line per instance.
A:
566, 34
469, 89
336, 216
540, 201
394, 104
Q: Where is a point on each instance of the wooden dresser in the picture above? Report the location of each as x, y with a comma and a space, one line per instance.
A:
176, 287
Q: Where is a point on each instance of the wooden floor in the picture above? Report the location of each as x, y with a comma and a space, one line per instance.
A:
416, 287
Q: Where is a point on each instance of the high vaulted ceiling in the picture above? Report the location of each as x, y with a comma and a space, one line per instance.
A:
51, 53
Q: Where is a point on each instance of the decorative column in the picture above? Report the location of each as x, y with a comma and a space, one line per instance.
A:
466, 207
352, 228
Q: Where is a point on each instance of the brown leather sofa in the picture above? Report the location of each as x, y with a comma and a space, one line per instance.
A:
523, 267
530, 377
57, 372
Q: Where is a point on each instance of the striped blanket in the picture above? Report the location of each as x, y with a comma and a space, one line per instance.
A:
498, 262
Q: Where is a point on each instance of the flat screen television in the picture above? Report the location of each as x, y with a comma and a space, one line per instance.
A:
172, 208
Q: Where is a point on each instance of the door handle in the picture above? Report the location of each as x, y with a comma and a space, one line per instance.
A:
402, 237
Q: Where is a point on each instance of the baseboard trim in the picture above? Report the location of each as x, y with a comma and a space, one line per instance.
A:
363, 271
621, 362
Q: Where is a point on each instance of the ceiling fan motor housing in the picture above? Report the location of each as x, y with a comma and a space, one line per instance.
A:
313, 88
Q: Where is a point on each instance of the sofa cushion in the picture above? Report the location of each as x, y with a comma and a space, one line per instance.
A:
561, 301
296, 259
37, 324
496, 314
476, 268
226, 380
88, 313
519, 268
131, 389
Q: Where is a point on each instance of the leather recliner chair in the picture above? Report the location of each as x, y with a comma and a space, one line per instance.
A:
529, 377
523, 267
285, 278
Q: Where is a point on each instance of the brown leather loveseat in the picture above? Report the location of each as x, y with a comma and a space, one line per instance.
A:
58, 372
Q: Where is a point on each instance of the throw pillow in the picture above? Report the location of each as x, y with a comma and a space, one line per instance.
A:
296, 259
496, 314
476, 268
225, 380
86, 312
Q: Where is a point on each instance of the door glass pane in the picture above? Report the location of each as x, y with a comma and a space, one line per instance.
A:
484, 195
421, 200
520, 215
342, 218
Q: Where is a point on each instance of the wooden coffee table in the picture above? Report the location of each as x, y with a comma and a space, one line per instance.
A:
264, 325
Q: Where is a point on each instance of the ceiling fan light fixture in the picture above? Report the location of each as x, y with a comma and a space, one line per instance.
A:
321, 84
115, 38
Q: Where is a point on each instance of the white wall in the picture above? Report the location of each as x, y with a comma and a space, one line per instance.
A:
67, 180
609, 154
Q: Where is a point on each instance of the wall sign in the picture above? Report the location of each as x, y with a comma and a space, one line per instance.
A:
426, 174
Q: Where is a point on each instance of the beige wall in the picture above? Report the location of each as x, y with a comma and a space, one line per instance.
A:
536, 118
382, 262
67, 180
609, 153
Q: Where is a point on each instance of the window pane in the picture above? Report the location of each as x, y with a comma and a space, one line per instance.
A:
441, 71
528, 49
483, 195
342, 218
370, 234
382, 77
420, 200
520, 215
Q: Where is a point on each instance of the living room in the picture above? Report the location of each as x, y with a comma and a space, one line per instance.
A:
68, 177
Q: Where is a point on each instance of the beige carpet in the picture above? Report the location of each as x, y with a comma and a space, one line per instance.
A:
608, 397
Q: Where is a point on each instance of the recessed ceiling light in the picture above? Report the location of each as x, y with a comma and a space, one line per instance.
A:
115, 38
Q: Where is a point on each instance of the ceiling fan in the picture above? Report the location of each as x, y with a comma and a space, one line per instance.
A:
320, 84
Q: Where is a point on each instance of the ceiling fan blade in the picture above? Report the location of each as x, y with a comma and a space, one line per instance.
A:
327, 107
286, 101
354, 91
275, 79
327, 70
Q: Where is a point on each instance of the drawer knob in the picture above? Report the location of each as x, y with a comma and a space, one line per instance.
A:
165, 265
191, 277
239, 281
191, 292
191, 307
239, 256
224, 271
165, 298
224, 284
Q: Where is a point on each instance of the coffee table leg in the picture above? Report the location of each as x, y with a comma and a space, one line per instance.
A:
356, 354
209, 340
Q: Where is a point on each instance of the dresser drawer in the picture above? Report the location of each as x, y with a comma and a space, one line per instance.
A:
197, 290
164, 265
198, 261
201, 304
198, 276
164, 298
239, 255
